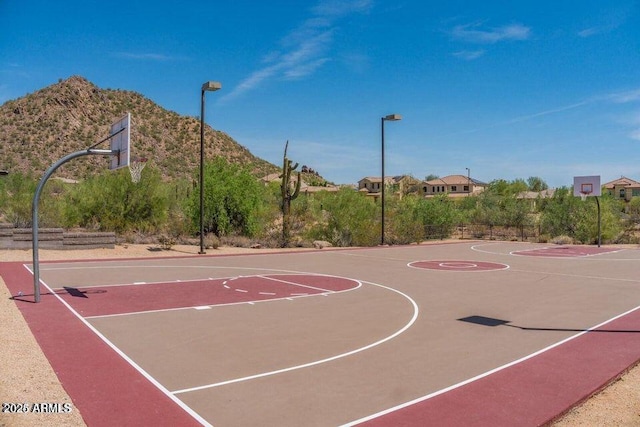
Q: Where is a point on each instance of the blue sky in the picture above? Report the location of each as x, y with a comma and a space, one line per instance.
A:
507, 89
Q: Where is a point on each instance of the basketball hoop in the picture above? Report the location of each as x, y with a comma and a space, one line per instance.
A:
585, 190
135, 168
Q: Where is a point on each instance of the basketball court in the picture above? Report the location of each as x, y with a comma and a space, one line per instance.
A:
483, 334
469, 333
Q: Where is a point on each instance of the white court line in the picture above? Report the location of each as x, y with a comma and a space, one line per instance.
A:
130, 361
483, 375
162, 310
297, 284
164, 282
582, 276
573, 257
480, 270
413, 319
557, 249
170, 266
367, 256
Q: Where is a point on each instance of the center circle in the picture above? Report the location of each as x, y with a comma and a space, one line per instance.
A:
454, 265
458, 265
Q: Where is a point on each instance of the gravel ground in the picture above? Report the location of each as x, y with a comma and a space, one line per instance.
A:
26, 376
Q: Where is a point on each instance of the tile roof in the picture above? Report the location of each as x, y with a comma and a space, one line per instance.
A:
454, 180
622, 181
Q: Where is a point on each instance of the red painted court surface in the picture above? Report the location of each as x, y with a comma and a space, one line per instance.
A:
145, 297
470, 334
565, 251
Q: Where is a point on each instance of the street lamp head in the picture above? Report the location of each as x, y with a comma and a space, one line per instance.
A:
211, 86
392, 117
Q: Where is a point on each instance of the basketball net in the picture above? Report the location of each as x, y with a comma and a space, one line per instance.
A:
135, 168
583, 196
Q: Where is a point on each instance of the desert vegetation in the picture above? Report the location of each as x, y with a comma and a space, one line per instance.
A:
241, 210
73, 114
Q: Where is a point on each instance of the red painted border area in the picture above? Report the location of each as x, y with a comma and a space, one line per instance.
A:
566, 251
109, 300
537, 390
458, 265
106, 389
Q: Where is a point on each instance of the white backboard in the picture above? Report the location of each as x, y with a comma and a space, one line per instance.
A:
586, 184
121, 142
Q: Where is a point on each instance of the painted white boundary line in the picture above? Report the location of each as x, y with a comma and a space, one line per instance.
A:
130, 361
122, 267
582, 276
298, 284
413, 319
486, 374
504, 266
573, 255
251, 302
576, 257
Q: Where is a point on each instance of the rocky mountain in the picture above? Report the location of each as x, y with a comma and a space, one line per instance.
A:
74, 114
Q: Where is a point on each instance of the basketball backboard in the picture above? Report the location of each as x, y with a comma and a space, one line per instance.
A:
120, 142
584, 186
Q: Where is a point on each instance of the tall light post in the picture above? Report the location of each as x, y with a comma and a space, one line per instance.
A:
468, 181
391, 118
207, 87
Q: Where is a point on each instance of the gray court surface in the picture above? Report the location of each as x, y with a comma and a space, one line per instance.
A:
330, 357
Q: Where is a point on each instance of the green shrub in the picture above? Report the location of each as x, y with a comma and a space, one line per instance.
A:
112, 202
232, 200
349, 218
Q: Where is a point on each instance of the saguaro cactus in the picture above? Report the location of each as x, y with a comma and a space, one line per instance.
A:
289, 193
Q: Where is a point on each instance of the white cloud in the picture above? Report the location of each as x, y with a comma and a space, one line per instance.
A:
304, 69
148, 56
625, 97
305, 49
634, 122
607, 22
588, 32
472, 33
548, 112
341, 7
469, 55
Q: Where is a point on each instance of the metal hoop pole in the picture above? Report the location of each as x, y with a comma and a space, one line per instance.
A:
34, 209
599, 222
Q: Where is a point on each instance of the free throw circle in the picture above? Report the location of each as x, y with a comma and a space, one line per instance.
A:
458, 265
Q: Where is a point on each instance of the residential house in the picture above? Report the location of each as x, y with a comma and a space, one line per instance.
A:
623, 188
401, 184
405, 184
453, 186
534, 196
373, 184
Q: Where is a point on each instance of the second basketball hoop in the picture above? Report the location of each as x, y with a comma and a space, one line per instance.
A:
586, 186
135, 168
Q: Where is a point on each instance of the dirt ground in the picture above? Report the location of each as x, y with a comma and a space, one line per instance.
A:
27, 377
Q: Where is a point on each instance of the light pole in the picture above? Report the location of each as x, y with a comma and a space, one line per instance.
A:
391, 118
208, 86
468, 181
